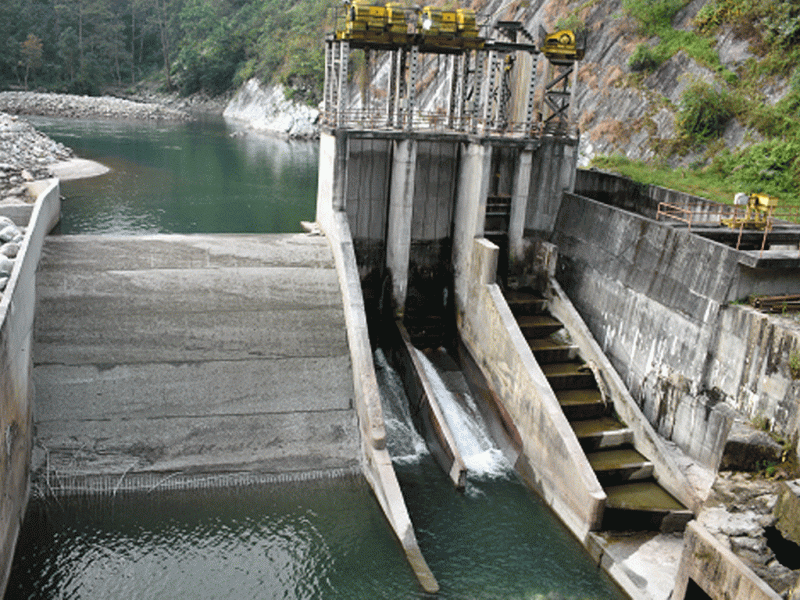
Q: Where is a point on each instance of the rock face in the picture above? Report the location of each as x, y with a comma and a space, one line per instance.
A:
266, 109
741, 513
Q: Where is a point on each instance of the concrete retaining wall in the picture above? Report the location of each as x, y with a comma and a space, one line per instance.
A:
647, 295
642, 199
376, 462
16, 341
645, 439
658, 300
552, 460
708, 565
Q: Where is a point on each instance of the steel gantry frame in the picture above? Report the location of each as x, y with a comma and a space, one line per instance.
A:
477, 77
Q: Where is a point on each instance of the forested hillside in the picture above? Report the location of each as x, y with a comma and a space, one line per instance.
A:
211, 46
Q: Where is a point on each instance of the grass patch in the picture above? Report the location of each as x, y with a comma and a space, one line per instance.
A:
704, 184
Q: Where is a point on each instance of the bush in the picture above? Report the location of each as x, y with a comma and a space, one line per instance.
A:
771, 167
643, 59
653, 15
704, 112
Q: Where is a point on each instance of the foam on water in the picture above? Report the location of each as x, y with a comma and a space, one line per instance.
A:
481, 457
405, 444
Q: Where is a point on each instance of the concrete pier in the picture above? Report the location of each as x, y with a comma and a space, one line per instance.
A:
188, 355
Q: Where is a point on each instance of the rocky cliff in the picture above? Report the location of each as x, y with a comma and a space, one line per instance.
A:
265, 108
618, 109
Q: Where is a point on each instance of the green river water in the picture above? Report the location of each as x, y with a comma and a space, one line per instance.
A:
304, 540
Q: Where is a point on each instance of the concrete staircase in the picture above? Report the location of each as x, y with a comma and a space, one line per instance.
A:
636, 502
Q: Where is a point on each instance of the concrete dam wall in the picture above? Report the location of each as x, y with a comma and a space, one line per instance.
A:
662, 302
162, 360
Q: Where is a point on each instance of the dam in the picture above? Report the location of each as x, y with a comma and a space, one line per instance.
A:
451, 233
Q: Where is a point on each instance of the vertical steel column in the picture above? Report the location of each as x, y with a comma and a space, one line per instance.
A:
477, 89
531, 95
466, 90
344, 58
489, 106
326, 93
412, 87
366, 117
400, 88
452, 105
392, 83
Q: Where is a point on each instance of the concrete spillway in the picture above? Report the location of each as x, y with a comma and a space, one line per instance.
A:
189, 355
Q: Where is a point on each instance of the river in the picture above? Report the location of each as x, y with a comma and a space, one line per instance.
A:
298, 540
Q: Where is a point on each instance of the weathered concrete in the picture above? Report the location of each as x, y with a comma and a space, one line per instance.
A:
706, 563
552, 460
16, 341
376, 463
648, 296
669, 323
787, 512
195, 354
645, 438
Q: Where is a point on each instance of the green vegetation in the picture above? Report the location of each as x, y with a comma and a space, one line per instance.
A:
772, 165
210, 46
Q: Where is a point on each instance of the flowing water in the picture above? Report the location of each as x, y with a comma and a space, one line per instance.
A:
496, 539
321, 539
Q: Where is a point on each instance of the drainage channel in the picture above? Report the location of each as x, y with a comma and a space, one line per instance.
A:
494, 538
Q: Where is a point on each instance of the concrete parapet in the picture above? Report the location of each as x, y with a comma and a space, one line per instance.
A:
787, 511
376, 462
710, 566
16, 341
552, 459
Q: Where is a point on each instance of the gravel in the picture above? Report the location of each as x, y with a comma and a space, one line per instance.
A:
77, 107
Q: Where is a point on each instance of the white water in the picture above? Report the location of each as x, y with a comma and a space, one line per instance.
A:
481, 457
404, 443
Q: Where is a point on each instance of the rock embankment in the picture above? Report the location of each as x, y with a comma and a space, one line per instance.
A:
741, 514
265, 109
80, 107
25, 155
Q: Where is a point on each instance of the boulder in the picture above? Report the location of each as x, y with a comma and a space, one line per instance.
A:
749, 449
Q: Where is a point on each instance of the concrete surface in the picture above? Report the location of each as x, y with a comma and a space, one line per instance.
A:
377, 467
191, 353
706, 563
552, 461
16, 392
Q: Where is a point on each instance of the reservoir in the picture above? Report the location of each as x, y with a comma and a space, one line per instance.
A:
303, 539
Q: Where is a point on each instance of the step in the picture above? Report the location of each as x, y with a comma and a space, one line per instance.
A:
643, 506
569, 376
549, 350
619, 465
581, 404
524, 302
602, 432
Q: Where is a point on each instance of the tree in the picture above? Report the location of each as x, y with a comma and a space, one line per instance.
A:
31, 55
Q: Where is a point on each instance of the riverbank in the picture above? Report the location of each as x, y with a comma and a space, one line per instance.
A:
70, 106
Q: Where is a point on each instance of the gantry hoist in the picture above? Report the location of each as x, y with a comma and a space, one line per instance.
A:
479, 66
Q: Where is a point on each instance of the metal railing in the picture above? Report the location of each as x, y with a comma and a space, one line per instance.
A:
438, 121
715, 215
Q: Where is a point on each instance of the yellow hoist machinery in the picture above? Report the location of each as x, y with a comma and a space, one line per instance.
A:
561, 46
392, 23
760, 208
